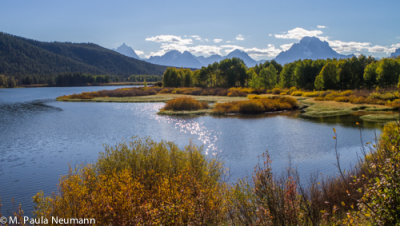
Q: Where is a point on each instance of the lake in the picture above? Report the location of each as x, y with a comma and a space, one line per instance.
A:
41, 138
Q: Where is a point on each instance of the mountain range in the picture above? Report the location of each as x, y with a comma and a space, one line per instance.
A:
308, 48
186, 59
20, 56
396, 53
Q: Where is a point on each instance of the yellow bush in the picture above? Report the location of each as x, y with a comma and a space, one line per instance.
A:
185, 104
346, 93
143, 182
342, 99
297, 93
311, 94
239, 92
276, 91
256, 105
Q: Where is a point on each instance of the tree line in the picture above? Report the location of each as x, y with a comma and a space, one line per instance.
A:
71, 79
352, 73
66, 79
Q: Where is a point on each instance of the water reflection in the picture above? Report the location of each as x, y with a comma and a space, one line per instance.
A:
189, 125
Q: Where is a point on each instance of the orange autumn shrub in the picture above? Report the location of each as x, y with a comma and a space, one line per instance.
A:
185, 104
142, 182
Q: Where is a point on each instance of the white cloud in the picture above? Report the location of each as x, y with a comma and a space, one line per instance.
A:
298, 33
338, 45
256, 53
321, 26
395, 46
285, 47
239, 37
170, 39
355, 47
196, 37
139, 52
198, 45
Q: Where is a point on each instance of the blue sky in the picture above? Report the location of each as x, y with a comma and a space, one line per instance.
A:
261, 28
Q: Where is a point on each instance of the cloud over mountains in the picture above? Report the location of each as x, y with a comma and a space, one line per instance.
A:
208, 46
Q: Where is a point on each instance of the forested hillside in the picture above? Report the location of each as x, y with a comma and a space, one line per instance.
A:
20, 57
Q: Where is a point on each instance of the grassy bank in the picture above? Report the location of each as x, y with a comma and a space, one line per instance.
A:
314, 104
315, 108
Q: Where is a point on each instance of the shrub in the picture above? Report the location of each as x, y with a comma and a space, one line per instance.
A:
269, 201
311, 94
252, 96
384, 96
240, 92
292, 89
251, 107
346, 93
122, 92
142, 182
256, 105
381, 198
296, 93
342, 99
185, 104
395, 103
357, 100
276, 91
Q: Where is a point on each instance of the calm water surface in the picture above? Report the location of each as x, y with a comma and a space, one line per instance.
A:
40, 138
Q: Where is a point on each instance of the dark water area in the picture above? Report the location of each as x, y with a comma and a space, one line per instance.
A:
41, 138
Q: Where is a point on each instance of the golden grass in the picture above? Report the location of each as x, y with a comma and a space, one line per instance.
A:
256, 106
185, 104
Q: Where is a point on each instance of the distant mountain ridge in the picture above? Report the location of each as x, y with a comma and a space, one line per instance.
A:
186, 59
176, 59
309, 48
127, 51
20, 56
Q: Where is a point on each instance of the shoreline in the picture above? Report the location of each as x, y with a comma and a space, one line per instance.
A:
308, 106
84, 85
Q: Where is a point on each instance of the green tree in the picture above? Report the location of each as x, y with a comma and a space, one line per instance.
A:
287, 75
254, 79
327, 78
370, 75
186, 76
305, 73
269, 77
388, 72
344, 74
3, 81
232, 72
170, 77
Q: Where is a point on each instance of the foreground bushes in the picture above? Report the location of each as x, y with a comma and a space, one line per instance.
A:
256, 105
145, 182
185, 104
